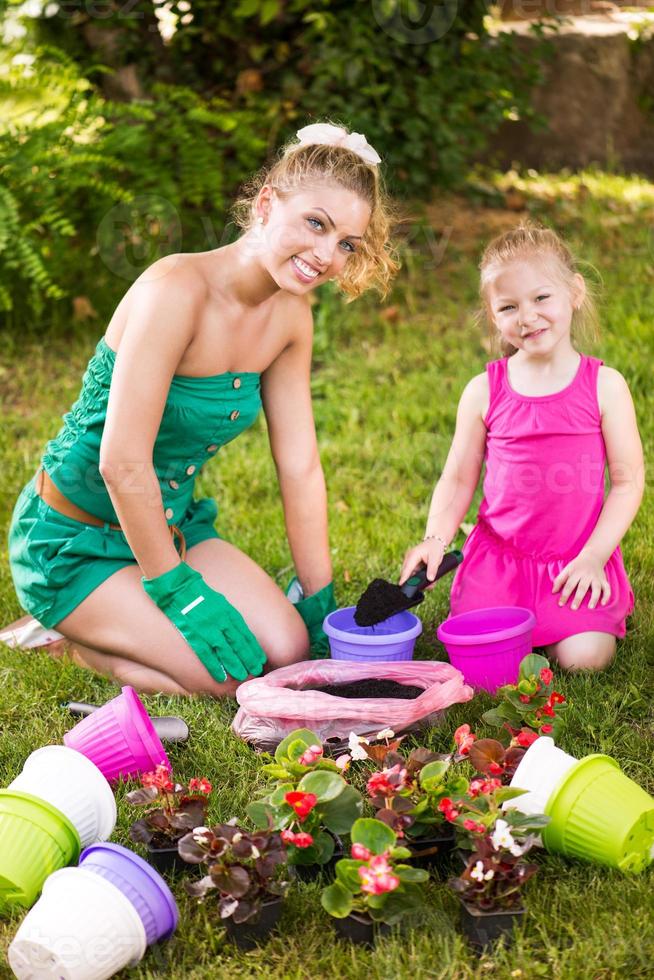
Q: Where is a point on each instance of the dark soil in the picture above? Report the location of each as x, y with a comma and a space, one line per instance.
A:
371, 687
380, 600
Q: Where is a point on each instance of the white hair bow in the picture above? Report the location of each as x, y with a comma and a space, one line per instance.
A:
325, 133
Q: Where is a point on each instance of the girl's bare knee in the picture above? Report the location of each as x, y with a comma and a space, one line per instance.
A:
288, 643
584, 651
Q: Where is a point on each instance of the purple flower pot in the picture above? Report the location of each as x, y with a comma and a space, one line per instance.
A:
139, 882
487, 645
392, 640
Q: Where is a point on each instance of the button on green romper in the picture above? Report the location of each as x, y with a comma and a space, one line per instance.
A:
56, 561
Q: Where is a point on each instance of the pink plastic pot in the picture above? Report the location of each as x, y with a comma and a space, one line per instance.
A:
119, 738
487, 645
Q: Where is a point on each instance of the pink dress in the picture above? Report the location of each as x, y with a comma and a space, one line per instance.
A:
543, 493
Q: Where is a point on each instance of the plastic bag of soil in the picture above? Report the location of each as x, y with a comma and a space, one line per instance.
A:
288, 698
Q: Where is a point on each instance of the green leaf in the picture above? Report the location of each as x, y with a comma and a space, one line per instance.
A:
347, 872
373, 834
275, 771
258, 813
303, 734
336, 900
432, 775
325, 785
533, 663
494, 718
276, 798
508, 793
296, 749
406, 873
339, 814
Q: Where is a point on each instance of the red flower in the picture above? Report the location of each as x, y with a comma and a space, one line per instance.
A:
524, 698
556, 698
360, 853
485, 786
302, 803
495, 768
526, 738
200, 785
546, 729
464, 738
548, 710
448, 809
546, 675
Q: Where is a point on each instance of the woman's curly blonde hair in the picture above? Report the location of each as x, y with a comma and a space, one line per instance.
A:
530, 240
375, 263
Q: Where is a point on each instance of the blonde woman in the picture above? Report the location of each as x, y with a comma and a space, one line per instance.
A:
107, 544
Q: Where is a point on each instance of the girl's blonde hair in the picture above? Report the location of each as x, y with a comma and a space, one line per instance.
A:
526, 241
374, 264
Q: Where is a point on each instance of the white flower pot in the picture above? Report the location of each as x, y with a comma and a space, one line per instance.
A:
82, 928
75, 786
540, 770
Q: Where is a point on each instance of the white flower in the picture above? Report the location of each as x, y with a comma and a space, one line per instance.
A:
385, 733
502, 838
201, 834
355, 745
478, 872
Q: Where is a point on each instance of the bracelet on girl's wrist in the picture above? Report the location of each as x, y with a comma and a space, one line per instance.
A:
437, 537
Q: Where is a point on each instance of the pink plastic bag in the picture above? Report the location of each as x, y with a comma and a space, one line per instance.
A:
274, 705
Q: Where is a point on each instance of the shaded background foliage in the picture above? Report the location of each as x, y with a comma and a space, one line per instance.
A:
118, 145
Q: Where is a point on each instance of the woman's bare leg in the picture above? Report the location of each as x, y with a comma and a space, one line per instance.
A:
584, 651
117, 630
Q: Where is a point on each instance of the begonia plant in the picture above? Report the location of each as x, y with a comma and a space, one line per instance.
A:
374, 881
531, 704
174, 809
246, 868
496, 870
311, 802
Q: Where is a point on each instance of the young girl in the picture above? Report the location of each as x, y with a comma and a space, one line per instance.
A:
198, 343
546, 420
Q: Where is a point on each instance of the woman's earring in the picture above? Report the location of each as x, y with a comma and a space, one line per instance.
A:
259, 220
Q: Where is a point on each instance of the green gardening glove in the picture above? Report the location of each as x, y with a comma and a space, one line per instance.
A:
211, 626
313, 610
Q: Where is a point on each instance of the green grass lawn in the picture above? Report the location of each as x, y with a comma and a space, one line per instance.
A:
386, 388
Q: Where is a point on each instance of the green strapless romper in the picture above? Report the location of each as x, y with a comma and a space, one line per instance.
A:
56, 561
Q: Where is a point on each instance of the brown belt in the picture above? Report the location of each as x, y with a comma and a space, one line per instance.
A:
52, 495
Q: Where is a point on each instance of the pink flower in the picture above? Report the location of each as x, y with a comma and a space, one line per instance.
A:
387, 782
464, 738
300, 840
546, 675
302, 803
525, 738
360, 853
160, 779
200, 785
378, 876
524, 698
474, 827
310, 755
546, 729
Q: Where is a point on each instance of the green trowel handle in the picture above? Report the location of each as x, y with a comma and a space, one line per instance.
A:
418, 579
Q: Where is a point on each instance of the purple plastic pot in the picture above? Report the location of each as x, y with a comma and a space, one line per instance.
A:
487, 645
119, 738
394, 639
139, 882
